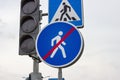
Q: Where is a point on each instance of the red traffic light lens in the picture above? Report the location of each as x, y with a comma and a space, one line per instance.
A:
29, 6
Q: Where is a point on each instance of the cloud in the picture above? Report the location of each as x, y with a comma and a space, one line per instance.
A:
9, 19
2, 26
93, 68
4, 75
6, 31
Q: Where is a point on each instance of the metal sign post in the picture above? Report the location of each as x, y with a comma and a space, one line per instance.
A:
35, 67
35, 75
59, 73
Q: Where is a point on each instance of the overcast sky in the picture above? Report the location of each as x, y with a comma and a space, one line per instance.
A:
101, 32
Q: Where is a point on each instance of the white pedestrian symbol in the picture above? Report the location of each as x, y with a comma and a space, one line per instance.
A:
57, 39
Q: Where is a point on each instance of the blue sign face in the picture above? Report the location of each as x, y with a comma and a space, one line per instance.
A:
66, 10
55, 79
59, 44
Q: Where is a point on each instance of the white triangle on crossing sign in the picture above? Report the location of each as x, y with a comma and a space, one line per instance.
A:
65, 12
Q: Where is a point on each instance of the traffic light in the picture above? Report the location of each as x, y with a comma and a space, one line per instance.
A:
29, 26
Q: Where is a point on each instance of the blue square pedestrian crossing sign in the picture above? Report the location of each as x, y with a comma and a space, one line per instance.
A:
59, 44
66, 10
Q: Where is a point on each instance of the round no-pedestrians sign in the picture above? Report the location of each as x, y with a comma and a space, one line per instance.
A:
59, 44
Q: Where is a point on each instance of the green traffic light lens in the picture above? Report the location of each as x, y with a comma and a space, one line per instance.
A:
27, 44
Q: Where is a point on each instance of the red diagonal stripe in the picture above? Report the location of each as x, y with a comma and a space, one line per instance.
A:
54, 47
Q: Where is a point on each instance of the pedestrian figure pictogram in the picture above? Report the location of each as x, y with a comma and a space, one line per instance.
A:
57, 39
64, 11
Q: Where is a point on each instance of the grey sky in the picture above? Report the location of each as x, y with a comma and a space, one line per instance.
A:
100, 59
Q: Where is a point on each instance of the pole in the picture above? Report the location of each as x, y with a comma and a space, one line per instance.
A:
35, 67
59, 73
35, 75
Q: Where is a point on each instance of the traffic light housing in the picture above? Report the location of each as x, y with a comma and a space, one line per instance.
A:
29, 26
